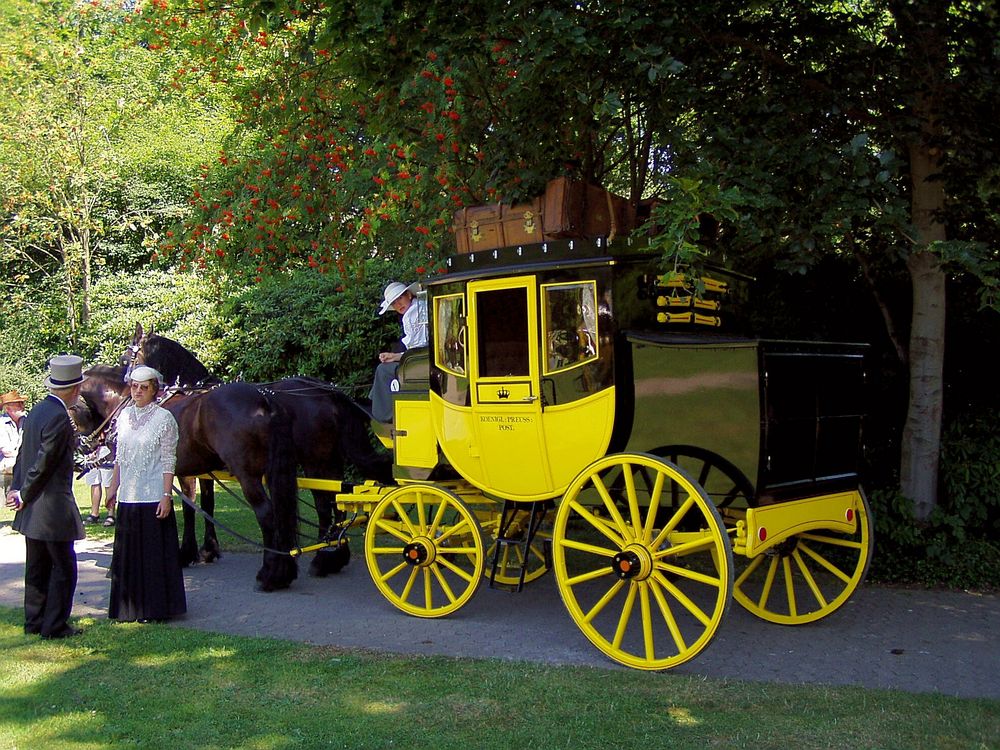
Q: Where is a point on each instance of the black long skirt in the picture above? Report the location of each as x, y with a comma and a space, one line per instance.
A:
146, 578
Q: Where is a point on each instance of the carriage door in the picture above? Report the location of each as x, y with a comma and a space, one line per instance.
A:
504, 380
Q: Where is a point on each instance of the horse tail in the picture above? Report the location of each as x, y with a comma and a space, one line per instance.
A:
281, 473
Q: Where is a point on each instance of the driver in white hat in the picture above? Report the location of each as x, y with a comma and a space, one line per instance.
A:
413, 309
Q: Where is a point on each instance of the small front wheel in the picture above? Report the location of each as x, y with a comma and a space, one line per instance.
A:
424, 550
642, 561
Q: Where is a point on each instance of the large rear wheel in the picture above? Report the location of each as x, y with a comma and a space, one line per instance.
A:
808, 576
642, 561
424, 550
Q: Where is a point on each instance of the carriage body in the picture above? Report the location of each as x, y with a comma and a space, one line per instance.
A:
542, 359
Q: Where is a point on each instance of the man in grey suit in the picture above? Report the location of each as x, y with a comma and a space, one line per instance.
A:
41, 491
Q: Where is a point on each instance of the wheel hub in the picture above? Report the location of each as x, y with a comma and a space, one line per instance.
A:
420, 552
632, 563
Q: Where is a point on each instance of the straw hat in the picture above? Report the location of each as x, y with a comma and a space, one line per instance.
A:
65, 370
394, 291
12, 397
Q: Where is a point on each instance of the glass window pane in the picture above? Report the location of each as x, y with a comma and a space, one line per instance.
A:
449, 333
571, 324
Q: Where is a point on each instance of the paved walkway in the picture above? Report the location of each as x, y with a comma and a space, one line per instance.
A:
918, 641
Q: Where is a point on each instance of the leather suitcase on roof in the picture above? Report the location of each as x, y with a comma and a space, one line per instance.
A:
498, 225
578, 210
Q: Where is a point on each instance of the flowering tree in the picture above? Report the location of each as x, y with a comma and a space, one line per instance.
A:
855, 129
91, 167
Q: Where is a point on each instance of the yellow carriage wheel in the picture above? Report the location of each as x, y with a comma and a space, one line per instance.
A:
642, 561
424, 550
512, 557
809, 576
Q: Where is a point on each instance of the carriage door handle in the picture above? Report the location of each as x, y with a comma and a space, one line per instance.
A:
529, 399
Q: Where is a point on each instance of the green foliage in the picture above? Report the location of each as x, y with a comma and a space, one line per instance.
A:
958, 546
306, 323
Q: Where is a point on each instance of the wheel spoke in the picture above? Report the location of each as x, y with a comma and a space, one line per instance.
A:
600, 524
810, 581
591, 548
686, 548
680, 596
754, 564
786, 570
836, 540
673, 522
452, 530
594, 574
647, 623
765, 594
654, 506
624, 617
612, 509
825, 563
668, 615
392, 572
443, 583
691, 575
603, 601
454, 568
391, 527
404, 517
633, 501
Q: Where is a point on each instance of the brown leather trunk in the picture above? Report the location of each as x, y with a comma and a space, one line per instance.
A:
568, 210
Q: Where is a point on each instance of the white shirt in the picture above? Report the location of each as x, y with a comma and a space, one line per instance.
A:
147, 449
10, 439
415, 324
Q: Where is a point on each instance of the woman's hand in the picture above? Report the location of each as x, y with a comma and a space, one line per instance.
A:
164, 507
389, 357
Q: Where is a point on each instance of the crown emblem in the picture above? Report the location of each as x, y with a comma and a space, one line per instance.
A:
503, 392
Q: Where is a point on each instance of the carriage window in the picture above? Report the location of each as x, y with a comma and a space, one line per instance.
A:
570, 324
449, 333
502, 332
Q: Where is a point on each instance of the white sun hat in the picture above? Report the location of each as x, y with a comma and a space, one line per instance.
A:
394, 291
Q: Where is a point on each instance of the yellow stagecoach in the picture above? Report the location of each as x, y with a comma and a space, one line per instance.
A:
573, 413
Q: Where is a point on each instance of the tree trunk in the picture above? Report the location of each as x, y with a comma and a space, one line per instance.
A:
922, 434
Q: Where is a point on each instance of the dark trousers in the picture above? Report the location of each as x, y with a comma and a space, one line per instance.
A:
381, 391
49, 585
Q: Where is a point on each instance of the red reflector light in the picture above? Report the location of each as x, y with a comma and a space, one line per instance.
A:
762, 533
850, 514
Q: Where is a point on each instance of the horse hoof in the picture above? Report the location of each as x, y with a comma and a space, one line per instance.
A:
330, 561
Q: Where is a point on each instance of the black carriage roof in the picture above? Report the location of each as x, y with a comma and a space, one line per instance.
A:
520, 259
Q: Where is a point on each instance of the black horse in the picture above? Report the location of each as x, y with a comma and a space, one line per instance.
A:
236, 427
328, 430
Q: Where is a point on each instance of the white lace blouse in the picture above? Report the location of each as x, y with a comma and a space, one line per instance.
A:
147, 449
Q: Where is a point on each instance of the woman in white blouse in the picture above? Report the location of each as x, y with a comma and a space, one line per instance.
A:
146, 578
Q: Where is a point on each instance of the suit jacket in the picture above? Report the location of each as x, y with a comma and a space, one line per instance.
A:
44, 475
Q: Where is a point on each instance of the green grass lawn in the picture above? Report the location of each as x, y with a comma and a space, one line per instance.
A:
162, 686
159, 686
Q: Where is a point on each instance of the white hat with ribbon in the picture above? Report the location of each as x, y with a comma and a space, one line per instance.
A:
65, 370
394, 291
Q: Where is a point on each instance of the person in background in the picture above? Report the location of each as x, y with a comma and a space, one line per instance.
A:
146, 579
11, 422
41, 493
413, 310
99, 481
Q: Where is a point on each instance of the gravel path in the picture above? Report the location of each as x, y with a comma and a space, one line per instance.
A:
918, 641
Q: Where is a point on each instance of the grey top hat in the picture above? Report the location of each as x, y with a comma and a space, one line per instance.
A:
65, 370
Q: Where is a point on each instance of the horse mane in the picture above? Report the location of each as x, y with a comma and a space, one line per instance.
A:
176, 363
